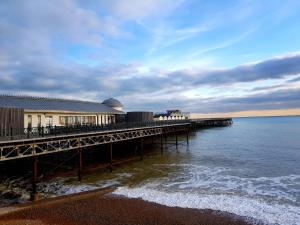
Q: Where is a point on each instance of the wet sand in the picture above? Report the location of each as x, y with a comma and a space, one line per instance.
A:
102, 207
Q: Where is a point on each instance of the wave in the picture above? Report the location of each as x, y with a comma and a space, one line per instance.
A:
219, 180
249, 207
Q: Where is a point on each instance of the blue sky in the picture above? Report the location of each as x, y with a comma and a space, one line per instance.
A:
199, 56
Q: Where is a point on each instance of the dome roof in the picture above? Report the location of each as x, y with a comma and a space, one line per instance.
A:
112, 102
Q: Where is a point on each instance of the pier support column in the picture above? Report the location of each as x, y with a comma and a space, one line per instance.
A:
34, 194
187, 137
176, 140
135, 146
110, 157
142, 148
152, 140
79, 164
161, 144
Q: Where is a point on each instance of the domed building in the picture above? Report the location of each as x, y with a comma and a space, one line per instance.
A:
113, 103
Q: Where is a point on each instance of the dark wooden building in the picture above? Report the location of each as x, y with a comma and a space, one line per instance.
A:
134, 117
11, 119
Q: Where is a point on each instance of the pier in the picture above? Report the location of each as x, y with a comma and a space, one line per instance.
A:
37, 142
210, 122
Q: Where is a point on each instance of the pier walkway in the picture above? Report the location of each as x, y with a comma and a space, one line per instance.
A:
58, 140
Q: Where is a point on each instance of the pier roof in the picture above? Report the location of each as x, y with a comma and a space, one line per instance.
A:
54, 104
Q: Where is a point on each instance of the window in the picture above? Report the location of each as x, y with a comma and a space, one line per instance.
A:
88, 120
39, 121
73, 120
29, 119
63, 120
49, 120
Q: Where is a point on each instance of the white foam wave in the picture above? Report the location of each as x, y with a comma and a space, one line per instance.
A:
219, 180
60, 186
243, 206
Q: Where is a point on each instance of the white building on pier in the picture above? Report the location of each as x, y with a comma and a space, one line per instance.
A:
39, 111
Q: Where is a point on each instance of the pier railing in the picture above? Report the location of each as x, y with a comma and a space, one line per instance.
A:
36, 132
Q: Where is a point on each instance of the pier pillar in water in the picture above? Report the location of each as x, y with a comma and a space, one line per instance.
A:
34, 194
79, 164
142, 148
110, 156
187, 137
135, 146
176, 136
161, 144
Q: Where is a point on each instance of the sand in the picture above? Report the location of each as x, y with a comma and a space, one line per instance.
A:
102, 207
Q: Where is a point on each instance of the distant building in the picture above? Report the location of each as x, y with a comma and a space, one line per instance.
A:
171, 115
38, 111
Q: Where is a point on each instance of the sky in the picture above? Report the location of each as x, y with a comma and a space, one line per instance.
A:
198, 56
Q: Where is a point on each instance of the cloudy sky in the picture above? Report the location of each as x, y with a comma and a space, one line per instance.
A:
199, 56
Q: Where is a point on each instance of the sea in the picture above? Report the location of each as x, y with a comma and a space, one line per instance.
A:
251, 169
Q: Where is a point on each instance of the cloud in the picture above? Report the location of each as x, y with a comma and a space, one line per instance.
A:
155, 89
269, 69
266, 88
36, 38
140, 10
54, 19
282, 99
294, 80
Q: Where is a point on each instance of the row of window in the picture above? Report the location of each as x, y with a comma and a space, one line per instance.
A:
49, 121
69, 120
72, 120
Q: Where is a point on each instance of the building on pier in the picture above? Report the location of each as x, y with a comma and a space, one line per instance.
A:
171, 115
40, 111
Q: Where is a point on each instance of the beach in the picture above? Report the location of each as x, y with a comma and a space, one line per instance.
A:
102, 207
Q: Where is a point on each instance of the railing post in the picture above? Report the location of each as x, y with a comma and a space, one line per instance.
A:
11, 133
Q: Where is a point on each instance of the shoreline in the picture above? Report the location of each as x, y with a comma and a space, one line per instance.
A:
101, 206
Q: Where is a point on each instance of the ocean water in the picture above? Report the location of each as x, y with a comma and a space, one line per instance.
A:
251, 169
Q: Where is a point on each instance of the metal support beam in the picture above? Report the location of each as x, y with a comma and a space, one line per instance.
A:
110, 157
34, 195
80, 164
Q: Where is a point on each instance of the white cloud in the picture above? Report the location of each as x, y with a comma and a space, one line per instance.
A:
141, 10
